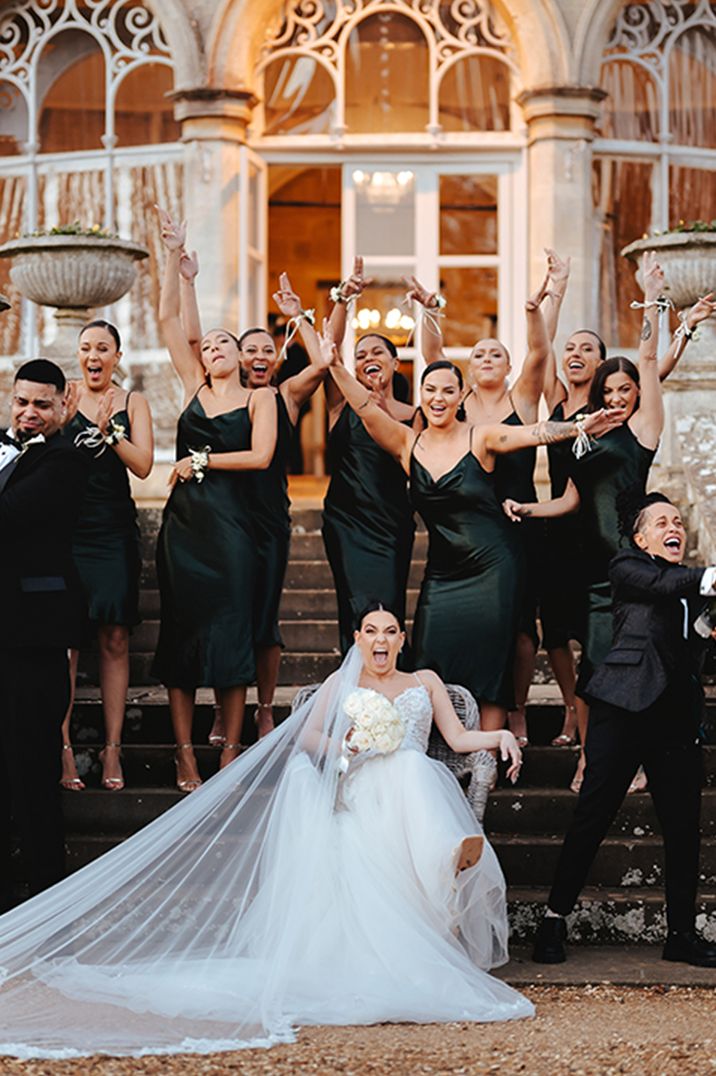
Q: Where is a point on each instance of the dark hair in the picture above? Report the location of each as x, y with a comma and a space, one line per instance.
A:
42, 372
617, 364
100, 323
246, 333
375, 606
631, 504
600, 343
443, 364
379, 336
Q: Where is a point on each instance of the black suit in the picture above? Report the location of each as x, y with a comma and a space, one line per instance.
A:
41, 613
646, 709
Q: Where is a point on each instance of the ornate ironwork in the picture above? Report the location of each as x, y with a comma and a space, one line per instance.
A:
644, 32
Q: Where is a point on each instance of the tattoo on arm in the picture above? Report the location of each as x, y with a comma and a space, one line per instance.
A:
646, 328
548, 433
503, 438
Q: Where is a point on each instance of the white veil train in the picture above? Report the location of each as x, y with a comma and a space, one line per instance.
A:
217, 926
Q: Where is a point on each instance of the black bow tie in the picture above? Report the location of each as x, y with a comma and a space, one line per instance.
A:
6, 439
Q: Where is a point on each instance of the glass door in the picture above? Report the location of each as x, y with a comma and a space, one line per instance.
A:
253, 229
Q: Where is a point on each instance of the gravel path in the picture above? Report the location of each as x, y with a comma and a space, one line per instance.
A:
586, 1031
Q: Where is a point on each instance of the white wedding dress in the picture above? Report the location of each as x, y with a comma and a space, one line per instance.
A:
273, 897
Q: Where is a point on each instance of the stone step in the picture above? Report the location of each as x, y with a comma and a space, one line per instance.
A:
310, 547
319, 603
606, 916
530, 860
310, 574
548, 811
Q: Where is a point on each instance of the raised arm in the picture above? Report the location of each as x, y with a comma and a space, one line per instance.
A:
647, 422
390, 434
463, 740
347, 291
299, 388
701, 310
185, 362
529, 385
188, 271
430, 333
554, 389
262, 411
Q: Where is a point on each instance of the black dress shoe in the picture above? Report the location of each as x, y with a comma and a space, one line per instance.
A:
688, 948
549, 941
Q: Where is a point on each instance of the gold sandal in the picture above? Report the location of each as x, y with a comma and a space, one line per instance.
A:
113, 784
188, 784
71, 784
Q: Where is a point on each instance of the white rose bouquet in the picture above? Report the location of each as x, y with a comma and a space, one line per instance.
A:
376, 726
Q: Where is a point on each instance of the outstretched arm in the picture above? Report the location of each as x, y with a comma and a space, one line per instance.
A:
701, 310
463, 740
499, 439
185, 362
559, 506
648, 421
651, 581
431, 335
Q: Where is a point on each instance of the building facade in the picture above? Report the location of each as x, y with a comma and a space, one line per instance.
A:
449, 139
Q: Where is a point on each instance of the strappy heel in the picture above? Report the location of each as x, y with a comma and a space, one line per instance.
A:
258, 721
237, 747
217, 735
71, 784
187, 784
112, 784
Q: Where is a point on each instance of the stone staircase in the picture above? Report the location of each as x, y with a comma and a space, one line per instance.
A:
624, 898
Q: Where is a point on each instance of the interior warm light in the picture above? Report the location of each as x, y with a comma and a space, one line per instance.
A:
406, 322
392, 318
358, 176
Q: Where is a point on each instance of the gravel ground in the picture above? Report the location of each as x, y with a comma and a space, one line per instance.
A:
586, 1031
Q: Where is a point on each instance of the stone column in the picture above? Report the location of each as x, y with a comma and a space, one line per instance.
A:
560, 123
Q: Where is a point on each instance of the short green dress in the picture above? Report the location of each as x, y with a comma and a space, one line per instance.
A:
207, 562
617, 462
272, 526
470, 600
106, 545
368, 524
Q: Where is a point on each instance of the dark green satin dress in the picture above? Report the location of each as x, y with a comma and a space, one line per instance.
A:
272, 525
617, 462
106, 545
207, 563
469, 606
368, 524
560, 603
515, 478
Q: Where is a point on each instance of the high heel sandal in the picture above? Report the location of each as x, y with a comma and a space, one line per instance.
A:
71, 784
237, 747
113, 784
217, 738
188, 784
257, 720
566, 739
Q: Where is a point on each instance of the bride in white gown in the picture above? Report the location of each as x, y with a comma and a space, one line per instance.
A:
306, 883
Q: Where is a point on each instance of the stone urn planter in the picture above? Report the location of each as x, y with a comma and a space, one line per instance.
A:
74, 274
689, 263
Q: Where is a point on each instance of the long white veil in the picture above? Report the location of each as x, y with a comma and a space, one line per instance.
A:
256, 904
181, 895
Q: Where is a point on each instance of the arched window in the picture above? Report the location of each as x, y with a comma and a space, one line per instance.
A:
391, 67
655, 159
83, 87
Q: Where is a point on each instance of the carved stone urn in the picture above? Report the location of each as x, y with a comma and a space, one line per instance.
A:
74, 274
689, 263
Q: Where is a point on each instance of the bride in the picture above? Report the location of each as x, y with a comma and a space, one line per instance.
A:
333, 874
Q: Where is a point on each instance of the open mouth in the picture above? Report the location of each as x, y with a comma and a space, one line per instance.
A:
673, 544
259, 367
380, 655
373, 368
437, 409
575, 364
94, 370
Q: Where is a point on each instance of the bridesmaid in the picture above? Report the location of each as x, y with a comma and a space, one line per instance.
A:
469, 601
268, 488
490, 399
207, 561
368, 524
114, 428
619, 460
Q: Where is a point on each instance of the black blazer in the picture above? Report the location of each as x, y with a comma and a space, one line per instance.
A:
649, 650
41, 494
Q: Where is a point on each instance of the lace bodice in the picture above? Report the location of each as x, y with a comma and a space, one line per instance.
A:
416, 710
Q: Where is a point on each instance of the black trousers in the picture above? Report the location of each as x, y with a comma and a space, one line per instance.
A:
34, 695
664, 739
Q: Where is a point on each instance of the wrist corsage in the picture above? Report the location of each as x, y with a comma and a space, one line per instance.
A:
582, 442
199, 462
117, 433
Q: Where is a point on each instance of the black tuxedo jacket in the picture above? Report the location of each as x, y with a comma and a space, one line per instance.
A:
41, 494
649, 651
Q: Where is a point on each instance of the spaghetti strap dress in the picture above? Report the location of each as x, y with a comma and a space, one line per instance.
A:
470, 599
561, 607
106, 545
514, 478
368, 524
272, 526
207, 562
617, 462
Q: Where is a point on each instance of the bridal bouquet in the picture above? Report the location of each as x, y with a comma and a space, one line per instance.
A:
376, 726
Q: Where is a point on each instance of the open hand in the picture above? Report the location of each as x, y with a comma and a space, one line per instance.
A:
509, 751
602, 421
286, 298
173, 234
71, 401
105, 410
702, 309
